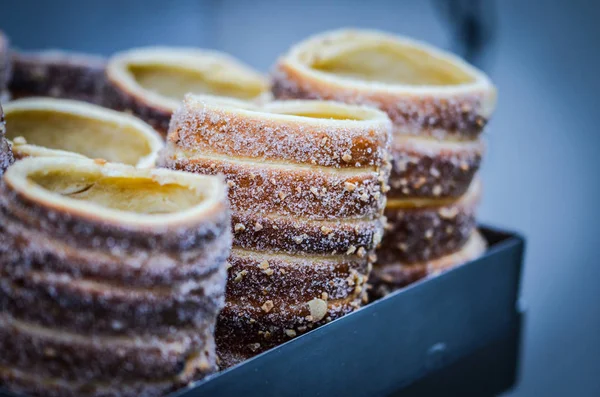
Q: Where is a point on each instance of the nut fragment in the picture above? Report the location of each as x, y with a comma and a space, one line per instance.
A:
239, 227
350, 187
290, 332
267, 306
318, 309
258, 227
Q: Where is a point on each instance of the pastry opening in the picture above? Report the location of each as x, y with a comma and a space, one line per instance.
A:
175, 81
131, 194
320, 110
389, 63
113, 141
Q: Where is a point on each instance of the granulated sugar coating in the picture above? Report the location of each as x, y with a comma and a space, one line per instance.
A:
307, 183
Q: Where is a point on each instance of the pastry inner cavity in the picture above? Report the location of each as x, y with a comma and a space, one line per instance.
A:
108, 140
174, 82
391, 64
138, 195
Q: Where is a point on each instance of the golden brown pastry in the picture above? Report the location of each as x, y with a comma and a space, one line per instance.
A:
387, 277
60, 127
57, 74
151, 82
111, 277
307, 183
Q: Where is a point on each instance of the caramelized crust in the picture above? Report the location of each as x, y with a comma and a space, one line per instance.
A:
150, 82
424, 229
425, 91
433, 169
6, 155
310, 192
291, 235
245, 330
58, 74
45, 127
70, 356
294, 132
30, 383
388, 277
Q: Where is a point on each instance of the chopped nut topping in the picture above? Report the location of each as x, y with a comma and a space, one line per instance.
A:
386, 188
254, 347
298, 189
361, 252
290, 332
252, 176
239, 227
324, 296
364, 197
420, 182
350, 187
326, 230
230, 183
267, 306
240, 275
273, 181
282, 271
318, 309
324, 141
347, 157
298, 239
314, 191
269, 272
448, 212
264, 265
258, 227
351, 250
282, 195
228, 266
437, 190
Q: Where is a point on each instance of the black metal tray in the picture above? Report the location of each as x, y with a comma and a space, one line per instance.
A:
454, 334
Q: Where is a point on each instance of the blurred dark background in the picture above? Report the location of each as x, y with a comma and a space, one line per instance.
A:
541, 171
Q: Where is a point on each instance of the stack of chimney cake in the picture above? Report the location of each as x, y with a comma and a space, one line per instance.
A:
111, 277
439, 106
307, 184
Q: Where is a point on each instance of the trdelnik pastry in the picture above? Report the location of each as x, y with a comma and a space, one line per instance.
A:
439, 106
111, 277
307, 183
